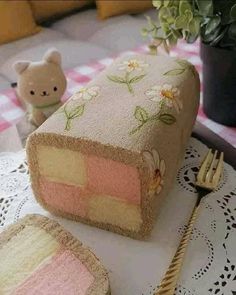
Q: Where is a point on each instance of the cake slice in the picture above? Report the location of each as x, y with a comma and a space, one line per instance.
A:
112, 152
37, 256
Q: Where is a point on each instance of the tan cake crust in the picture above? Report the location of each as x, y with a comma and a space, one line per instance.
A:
87, 147
118, 144
100, 285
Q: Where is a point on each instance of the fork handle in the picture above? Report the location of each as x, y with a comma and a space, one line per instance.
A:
169, 282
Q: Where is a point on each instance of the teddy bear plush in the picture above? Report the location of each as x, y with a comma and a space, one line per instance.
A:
41, 85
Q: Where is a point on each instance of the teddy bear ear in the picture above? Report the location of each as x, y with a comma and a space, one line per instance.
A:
53, 56
21, 66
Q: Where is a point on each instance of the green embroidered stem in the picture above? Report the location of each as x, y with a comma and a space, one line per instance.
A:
72, 114
152, 118
143, 117
127, 80
68, 124
130, 88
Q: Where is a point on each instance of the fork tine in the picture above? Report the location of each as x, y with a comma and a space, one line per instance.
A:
203, 169
210, 172
218, 172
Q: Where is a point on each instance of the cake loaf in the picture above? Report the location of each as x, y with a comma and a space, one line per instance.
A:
37, 256
111, 153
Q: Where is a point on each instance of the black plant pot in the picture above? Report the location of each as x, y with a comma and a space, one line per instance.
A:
219, 84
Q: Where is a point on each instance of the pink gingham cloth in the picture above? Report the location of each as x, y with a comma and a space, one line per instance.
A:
11, 111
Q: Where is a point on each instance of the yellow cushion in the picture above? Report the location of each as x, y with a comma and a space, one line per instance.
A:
44, 10
16, 21
111, 8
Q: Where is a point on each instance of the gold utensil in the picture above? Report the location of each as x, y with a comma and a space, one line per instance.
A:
207, 180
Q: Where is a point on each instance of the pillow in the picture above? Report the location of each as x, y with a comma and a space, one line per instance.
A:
110, 8
16, 21
44, 10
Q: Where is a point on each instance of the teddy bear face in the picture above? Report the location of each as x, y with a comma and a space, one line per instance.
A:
42, 84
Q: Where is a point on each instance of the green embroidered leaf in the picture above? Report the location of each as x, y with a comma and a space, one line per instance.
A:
136, 79
183, 63
174, 72
77, 112
116, 79
157, 3
141, 114
167, 119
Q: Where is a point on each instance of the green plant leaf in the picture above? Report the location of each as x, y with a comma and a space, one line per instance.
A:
181, 22
166, 2
141, 114
136, 79
205, 7
167, 119
194, 26
164, 13
77, 112
144, 32
184, 6
212, 25
174, 72
233, 12
157, 3
116, 79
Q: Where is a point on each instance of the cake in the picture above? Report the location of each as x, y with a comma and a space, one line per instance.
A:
111, 153
37, 256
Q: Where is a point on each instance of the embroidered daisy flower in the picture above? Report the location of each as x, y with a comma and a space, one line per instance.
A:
156, 169
87, 93
132, 65
167, 93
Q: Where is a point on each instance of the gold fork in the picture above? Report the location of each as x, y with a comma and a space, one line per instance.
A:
207, 180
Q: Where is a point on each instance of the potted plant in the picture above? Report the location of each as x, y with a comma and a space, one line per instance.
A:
215, 22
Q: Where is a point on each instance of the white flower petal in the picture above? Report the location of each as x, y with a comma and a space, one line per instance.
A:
92, 92
151, 93
167, 87
148, 157
176, 91
157, 88
129, 69
87, 96
121, 68
155, 98
162, 167
95, 88
156, 158
80, 94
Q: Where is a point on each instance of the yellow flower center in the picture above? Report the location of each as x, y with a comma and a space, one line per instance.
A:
133, 64
167, 94
156, 181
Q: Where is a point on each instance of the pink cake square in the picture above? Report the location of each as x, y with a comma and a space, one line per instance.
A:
65, 274
113, 178
68, 198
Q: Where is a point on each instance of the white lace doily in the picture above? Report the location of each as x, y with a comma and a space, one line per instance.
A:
136, 267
